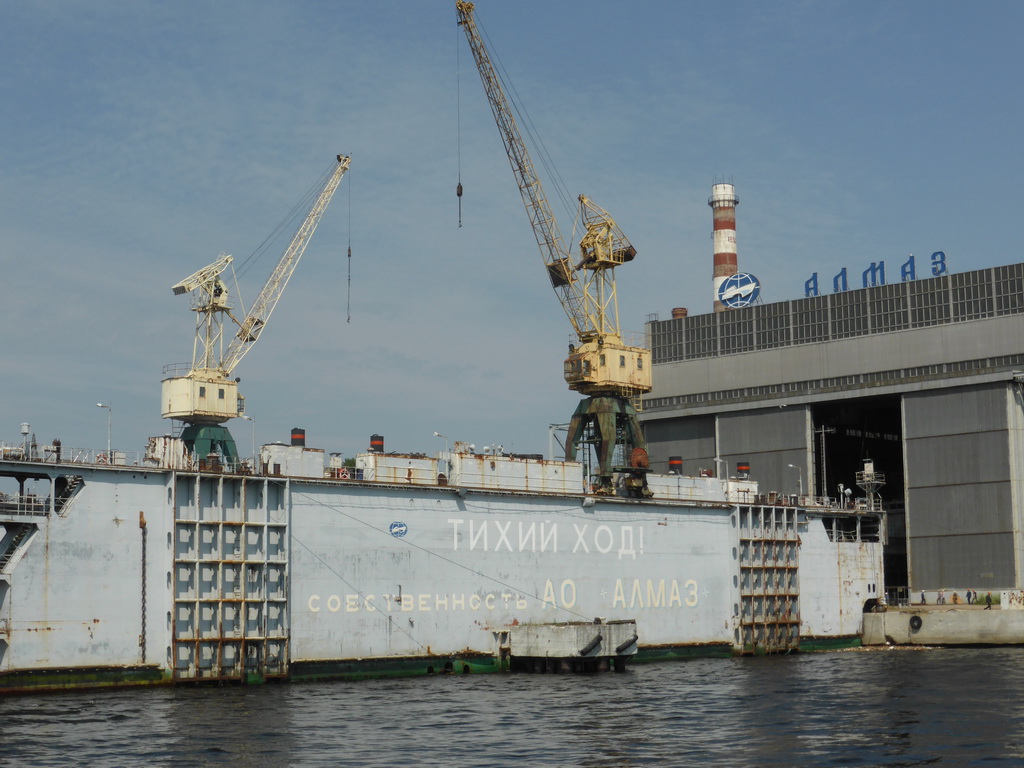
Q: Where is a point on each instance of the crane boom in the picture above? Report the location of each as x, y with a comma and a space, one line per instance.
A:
254, 321
542, 219
205, 396
612, 374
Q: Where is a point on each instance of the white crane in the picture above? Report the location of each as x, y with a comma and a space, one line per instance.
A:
204, 396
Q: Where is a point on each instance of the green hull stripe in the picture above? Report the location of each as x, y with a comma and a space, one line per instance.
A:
829, 643
87, 677
361, 669
681, 653
366, 669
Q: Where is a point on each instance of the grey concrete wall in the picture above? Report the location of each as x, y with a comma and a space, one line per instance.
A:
767, 439
958, 491
691, 438
842, 357
980, 561
944, 627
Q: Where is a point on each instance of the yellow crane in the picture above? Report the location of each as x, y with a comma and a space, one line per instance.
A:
610, 373
203, 395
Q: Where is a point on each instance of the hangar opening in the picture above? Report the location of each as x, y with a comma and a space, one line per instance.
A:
845, 434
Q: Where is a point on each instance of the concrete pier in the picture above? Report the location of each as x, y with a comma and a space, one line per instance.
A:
944, 625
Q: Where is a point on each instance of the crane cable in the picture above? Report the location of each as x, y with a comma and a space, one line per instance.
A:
458, 120
294, 215
304, 204
348, 306
531, 136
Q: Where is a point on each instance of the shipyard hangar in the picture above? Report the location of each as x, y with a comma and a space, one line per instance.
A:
919, 381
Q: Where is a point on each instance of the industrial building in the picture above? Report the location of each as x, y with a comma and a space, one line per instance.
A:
923, 377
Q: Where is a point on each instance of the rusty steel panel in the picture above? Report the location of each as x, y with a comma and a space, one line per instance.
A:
292, 460
685, 488
845, 576
397, 468
512, 474
167, 452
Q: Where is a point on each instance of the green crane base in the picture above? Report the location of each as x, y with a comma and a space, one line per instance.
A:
612, 421
204, 439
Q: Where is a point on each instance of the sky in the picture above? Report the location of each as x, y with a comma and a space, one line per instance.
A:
142, 139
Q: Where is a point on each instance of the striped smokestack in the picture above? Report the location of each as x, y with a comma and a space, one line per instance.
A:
723, 202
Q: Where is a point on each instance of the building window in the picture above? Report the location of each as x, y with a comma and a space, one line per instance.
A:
883, 308
849, 314
972, 295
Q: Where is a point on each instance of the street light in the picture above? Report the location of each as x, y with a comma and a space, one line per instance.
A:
799, 479
447, 463
110, 459
250, 418
718, 463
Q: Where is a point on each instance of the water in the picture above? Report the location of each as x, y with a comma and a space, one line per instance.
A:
870, 708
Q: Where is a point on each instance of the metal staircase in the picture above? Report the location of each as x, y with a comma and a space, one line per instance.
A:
65, 488
14, 541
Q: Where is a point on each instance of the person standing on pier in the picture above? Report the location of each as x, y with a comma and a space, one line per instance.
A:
988, 601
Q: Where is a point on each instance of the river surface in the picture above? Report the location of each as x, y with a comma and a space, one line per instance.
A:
954, 707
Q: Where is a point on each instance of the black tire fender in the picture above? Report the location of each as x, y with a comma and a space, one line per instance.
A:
916, 622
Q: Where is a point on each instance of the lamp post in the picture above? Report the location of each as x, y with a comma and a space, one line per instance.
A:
250, 418
799, 479
718, 463
447, 464
110, 459
443, 437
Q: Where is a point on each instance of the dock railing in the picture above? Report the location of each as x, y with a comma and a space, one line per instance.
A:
897, 596
50, 454
27, 504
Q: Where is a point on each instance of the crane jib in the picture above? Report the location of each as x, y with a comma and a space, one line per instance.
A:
272, 290
613, 375
207, 396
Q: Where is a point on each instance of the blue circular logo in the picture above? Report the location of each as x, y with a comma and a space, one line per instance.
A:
398, 530
739, 290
